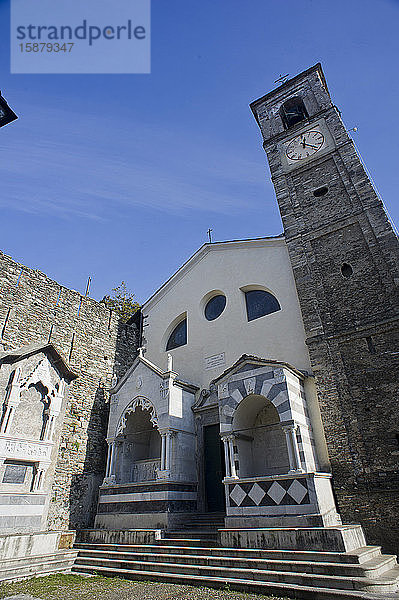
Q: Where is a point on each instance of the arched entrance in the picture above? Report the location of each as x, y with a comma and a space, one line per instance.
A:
259, 438
138, 448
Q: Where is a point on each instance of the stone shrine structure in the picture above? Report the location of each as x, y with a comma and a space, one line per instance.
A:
35, 378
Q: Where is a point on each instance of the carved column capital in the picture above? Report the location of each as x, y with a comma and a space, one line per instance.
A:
290, 427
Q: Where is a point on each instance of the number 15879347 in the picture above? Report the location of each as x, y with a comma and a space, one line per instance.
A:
46, 47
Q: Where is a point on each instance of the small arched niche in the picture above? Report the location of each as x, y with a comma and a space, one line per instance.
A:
30, 414
260, 439
139, 448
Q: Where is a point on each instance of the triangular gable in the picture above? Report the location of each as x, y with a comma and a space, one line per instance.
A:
140, 360
248, 362
54, 356
199, 255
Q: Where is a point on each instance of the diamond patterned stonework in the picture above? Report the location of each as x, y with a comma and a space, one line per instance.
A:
276, 492
297, 491
257, 494
237, 495
260, 493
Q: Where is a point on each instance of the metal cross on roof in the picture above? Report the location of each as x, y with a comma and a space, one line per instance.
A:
282, 78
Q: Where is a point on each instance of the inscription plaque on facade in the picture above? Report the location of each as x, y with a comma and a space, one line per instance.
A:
25, 450
217, 360
14, 474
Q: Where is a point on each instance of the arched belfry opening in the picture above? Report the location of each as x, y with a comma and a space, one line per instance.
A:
293, 111
260, 439
138, 447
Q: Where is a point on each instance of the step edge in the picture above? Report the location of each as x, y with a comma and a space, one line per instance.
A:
344, 565
337, 578
355, 594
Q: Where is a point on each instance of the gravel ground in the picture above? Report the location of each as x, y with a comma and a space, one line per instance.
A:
77, 587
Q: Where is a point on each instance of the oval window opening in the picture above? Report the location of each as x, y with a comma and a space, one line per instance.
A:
322, 191
214, 307
346, 270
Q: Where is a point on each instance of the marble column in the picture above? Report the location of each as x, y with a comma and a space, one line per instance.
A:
49, 427
232, 461
292, 447
226, 456
110, 460
168, 450
12, 400
7, 419
163, 450
38, 481
228, 442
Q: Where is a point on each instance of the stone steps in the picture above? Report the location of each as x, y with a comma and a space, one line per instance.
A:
358, 556
297, 573
262, 587
196, 542
372, 569
386, 583
208, 516
30, 566
200, 533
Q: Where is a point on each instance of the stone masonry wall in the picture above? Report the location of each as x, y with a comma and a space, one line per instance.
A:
34, 308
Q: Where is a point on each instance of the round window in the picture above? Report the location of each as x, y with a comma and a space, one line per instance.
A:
214, 307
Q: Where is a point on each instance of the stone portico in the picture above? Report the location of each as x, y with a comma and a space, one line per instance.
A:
272, 475
151, 472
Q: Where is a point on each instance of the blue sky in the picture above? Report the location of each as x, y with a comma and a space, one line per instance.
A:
120, 176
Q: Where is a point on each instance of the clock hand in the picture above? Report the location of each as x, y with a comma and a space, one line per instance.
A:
310, 146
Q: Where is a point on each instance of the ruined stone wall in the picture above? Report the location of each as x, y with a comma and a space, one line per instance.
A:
34, 308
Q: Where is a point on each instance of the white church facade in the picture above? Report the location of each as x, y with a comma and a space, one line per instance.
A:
219, 412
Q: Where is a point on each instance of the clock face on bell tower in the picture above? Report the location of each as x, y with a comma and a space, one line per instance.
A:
311, 141
305, 145
309, 150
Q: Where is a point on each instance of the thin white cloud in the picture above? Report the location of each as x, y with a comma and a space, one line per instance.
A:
95, 169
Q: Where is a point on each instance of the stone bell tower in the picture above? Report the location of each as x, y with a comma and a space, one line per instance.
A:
344, 255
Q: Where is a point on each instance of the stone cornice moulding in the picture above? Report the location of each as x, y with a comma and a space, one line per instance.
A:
54, 357
258, 362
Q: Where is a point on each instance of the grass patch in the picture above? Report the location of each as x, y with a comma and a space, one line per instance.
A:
62, 587
78, 587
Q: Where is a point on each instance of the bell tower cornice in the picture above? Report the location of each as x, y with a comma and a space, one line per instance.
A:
287, 87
